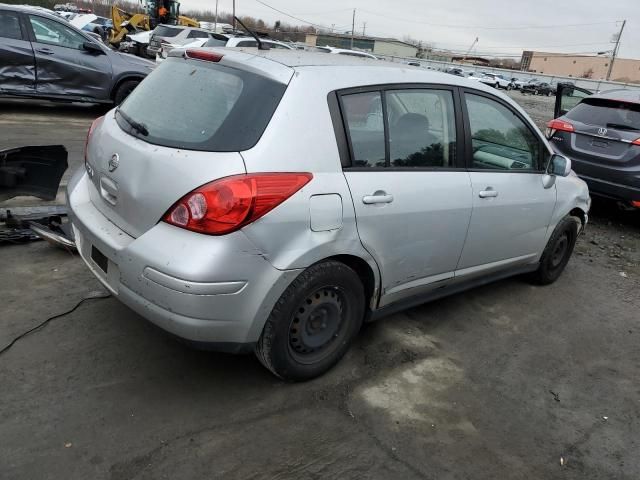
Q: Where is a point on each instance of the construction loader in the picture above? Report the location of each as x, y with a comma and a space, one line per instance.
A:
157, 12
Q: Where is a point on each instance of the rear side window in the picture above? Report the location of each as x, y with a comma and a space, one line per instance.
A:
199, 105
165, 31
10, 25
607, 113
364, 120
417, 129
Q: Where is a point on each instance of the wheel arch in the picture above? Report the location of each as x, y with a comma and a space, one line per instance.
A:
121, 80
366, 274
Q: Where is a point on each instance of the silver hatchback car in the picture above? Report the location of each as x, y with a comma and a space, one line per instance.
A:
273, 201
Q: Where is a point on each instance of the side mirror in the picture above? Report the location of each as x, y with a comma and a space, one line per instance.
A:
92, 47
559, 166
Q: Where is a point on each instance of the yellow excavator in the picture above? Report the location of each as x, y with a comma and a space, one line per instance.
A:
157, 12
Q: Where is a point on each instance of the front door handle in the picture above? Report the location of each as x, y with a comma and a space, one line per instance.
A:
489, 192
46, 51
377, 197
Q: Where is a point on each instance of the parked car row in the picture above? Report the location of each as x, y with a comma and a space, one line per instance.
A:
44, 56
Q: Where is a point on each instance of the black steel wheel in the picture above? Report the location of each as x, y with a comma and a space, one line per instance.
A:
316, 324
558, 251
313, 323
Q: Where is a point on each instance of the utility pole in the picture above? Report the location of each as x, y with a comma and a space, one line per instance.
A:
353, 26
364, 28
615, 50
215, 22
234, 15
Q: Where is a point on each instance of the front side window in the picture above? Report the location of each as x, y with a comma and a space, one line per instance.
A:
10, 25
499, 138
54, 33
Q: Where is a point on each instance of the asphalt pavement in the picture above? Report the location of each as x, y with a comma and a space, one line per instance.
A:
508, 381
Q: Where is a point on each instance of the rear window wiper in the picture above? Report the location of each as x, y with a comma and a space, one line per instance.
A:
622, 126
141, 128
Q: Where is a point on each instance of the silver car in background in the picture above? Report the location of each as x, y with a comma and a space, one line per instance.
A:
273, 201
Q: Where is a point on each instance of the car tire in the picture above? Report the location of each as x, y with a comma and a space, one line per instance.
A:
548, 94
313, 323
123, 90
497, 86
558, 251
509, 87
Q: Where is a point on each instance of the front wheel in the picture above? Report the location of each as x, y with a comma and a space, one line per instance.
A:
313, 323
557, 252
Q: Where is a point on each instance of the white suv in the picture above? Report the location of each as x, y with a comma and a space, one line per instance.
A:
273, 201
175, 35
496, 80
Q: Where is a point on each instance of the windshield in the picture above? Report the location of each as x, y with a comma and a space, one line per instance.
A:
603, 112
200, 105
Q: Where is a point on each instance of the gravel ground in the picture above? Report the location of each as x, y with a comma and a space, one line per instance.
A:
504, 381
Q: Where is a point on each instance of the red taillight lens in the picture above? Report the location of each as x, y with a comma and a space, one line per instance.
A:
229, 204
635, 203
636, 141
203, 55
93, 126
558, 125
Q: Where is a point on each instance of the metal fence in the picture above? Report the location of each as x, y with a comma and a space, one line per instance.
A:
590, 84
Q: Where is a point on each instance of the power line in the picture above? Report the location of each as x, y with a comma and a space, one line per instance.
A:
293, 16
483, 27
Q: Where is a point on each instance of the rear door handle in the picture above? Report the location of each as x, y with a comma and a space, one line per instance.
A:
378, 197
46, 51
489, 192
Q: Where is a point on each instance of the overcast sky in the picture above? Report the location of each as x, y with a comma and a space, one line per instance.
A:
508, 19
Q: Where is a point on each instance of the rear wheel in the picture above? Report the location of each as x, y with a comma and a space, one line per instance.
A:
313, 322
124, 89
558, 251
497, 86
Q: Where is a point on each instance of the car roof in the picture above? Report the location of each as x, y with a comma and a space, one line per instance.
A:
623, 95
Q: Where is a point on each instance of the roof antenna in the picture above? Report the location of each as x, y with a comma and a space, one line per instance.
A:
261, 46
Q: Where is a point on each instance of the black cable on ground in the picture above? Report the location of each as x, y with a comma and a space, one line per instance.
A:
97, 296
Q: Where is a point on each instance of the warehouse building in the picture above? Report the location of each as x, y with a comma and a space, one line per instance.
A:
375, 45
581, 66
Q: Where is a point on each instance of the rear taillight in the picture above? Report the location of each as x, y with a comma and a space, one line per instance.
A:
636, 141
558, 125
93, 126
230, 203
203, 55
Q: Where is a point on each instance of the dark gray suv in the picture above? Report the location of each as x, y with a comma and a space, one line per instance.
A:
44, 56
600, 133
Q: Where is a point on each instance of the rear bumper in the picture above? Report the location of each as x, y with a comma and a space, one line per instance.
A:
212, 291
612, 190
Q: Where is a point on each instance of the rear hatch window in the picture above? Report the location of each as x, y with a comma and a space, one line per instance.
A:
199, 105
165, 31
606, 113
